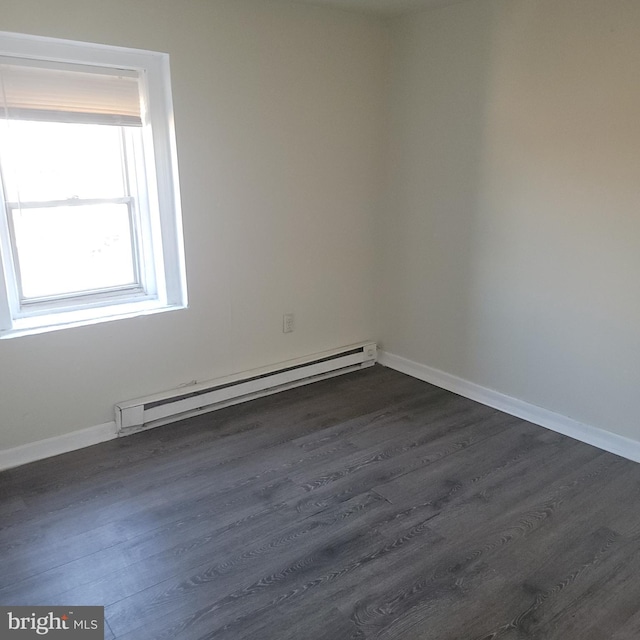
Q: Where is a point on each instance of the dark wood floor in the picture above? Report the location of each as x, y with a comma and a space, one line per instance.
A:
371, 505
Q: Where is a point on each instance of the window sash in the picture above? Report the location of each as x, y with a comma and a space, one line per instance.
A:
69, 202
49, 301
144, 286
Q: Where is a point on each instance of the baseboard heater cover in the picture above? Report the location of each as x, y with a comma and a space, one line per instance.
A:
162, 408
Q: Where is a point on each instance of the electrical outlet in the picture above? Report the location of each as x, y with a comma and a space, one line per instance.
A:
287, 323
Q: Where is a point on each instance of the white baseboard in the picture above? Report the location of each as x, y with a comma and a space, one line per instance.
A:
588, 434
54, 446
333, 366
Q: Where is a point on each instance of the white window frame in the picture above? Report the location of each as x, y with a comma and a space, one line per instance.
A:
162, 257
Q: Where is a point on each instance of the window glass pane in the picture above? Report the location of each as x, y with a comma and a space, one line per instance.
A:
44, 161
65, 250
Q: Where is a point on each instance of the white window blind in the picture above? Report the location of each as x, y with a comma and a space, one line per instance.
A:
63, 92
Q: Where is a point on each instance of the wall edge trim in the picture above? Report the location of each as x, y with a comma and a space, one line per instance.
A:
50, 447
588, 434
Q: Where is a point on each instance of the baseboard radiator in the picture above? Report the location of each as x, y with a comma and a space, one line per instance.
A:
162, 408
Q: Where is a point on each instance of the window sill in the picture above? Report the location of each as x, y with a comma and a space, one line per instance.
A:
84, 317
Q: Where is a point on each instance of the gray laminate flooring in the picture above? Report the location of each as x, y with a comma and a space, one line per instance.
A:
371, 505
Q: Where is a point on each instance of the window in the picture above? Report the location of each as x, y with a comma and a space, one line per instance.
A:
90, 225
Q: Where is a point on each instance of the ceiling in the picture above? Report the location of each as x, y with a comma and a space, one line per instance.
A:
384, 7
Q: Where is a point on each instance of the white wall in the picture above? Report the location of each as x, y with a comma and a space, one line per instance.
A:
278, 109
510, 248
508, 230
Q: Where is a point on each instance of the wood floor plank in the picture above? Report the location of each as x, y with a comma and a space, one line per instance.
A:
516, 543
205, 602
370, 468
